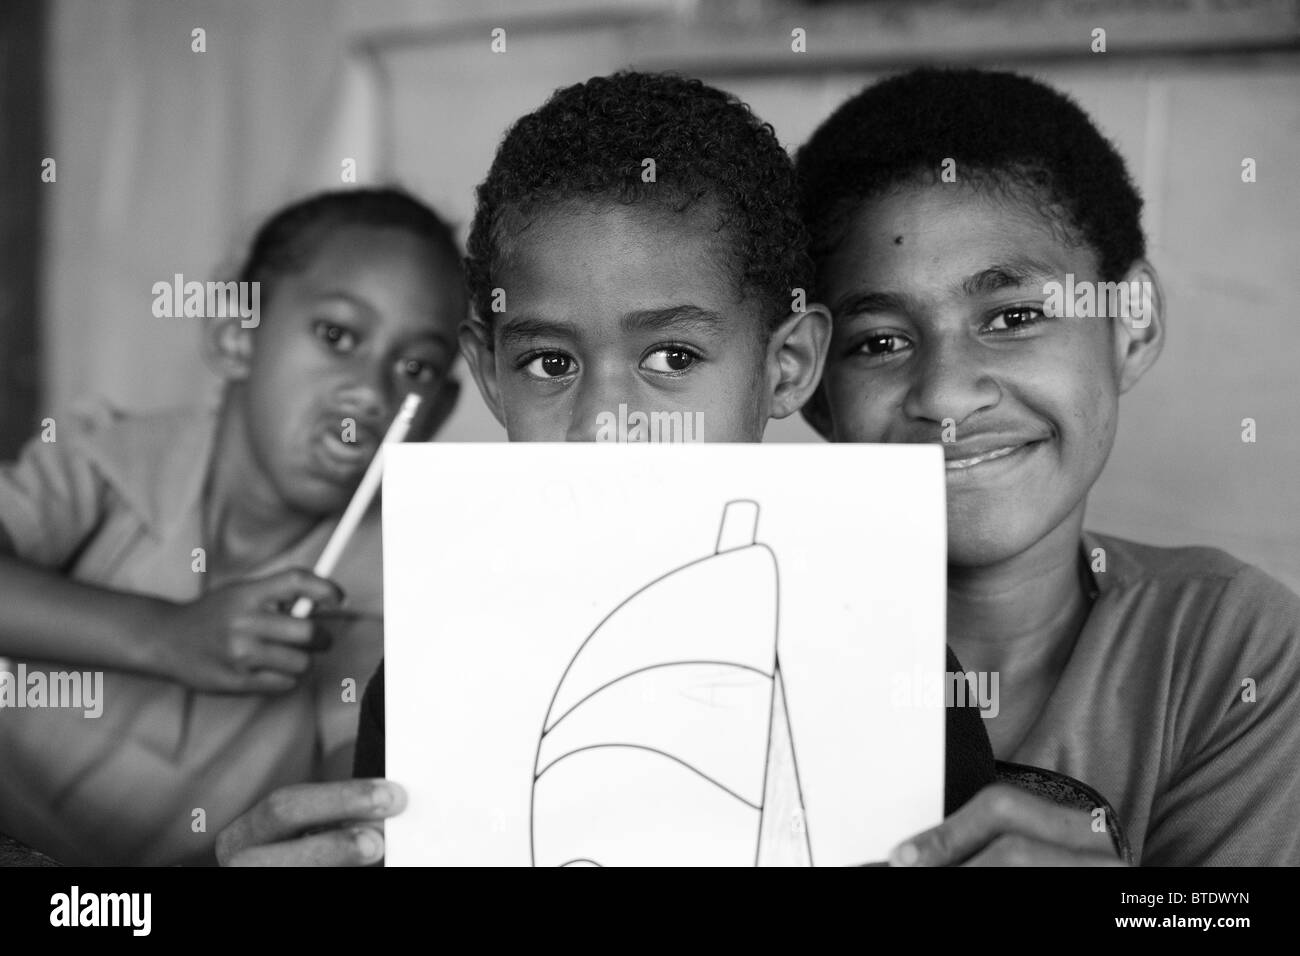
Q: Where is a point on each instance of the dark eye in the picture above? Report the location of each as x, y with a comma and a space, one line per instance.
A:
550, 365
1013, 319
336, 337
882, 343
669, 360
420, 372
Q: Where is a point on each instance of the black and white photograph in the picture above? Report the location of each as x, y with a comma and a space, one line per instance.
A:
978, 318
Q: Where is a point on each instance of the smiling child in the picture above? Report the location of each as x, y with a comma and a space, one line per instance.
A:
945, 208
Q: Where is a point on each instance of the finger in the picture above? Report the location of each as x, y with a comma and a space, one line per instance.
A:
278, 658
351, 846
266, 682
285, 813
286, 587
229, 681
267, 625
995, 810
249, 651
1014, 849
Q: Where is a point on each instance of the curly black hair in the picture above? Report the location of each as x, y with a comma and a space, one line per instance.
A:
588, 142
1016, 131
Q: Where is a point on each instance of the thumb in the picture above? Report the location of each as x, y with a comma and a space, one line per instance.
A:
285, 587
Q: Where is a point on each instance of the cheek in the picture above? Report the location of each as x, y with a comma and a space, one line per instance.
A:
729, 396
282, 366
269, 397
754, 406
718, 414
1086, 392
529, 418
860, 405
1079, 403
526, 429
1100, 421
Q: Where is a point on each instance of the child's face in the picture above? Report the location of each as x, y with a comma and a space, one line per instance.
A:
371, 317
937, 294
617, 306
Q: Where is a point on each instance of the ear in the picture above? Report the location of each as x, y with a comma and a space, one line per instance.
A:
1140, 335
476, 346
228, 348
796, 355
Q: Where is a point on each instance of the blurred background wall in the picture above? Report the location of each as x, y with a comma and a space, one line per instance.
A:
168, 158
22, 138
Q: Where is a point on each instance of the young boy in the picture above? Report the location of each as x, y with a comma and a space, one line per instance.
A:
1167, 678
667, 293
163, 549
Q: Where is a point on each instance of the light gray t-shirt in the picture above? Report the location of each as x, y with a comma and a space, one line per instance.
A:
1154, 709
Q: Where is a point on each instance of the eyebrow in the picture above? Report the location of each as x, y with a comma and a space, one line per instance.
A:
345, 296
435, 336
678, 318
856, 303
518, 331
1010, 275
674, 318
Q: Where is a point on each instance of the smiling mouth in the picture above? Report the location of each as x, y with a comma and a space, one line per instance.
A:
993, 454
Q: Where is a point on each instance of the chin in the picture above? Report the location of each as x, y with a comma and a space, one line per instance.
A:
317, 497
989, 540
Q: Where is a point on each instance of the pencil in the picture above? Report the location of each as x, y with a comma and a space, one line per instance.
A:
360, 502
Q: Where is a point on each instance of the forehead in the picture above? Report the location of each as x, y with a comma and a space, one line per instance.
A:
360, 251
933, 236
620, 258
388, 270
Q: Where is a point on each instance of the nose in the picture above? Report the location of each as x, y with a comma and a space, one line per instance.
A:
950, 380
365, 394
599, 392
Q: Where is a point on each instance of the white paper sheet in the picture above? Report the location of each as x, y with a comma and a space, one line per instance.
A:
662, 654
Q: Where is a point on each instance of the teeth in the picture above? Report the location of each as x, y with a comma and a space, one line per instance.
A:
341, 449
956, 464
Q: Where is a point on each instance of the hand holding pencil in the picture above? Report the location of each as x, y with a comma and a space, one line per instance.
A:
360, 502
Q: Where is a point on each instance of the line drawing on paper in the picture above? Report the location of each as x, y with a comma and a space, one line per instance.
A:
668, 737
